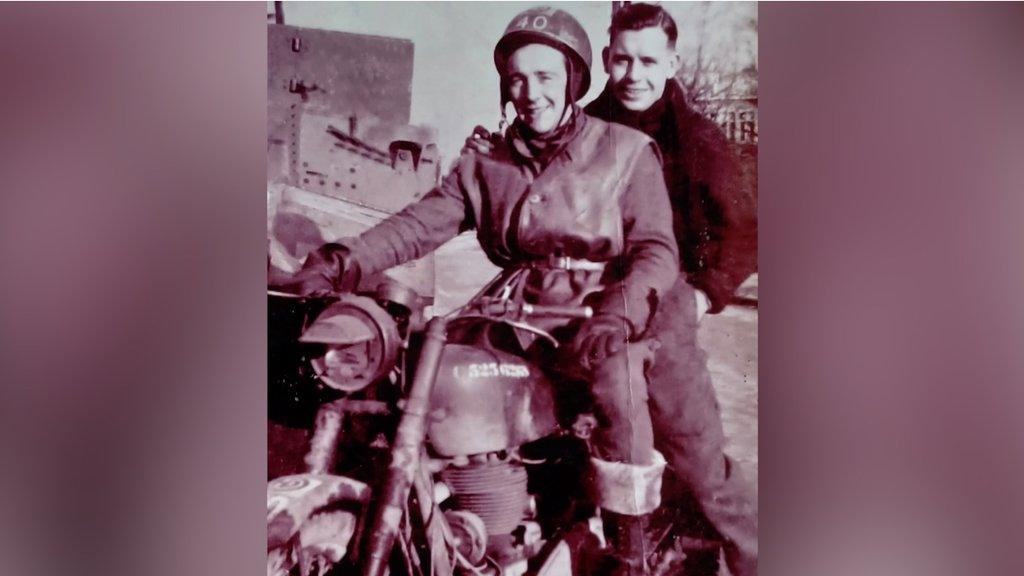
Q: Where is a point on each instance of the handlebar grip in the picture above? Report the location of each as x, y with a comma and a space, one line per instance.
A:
582, 312
279, 279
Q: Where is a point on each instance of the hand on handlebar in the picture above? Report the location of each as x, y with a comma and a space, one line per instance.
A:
313, 281
326, 271
599, 338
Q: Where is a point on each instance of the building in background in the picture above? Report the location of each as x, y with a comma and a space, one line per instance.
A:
732, 104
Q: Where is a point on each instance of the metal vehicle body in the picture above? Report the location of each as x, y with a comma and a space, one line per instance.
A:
434, 452
341, 152
434, 457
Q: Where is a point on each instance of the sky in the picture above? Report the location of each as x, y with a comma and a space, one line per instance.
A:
455, 85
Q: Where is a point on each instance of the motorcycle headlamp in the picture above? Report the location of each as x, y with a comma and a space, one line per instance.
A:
361, 343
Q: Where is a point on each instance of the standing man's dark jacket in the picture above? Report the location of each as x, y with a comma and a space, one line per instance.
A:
714, 211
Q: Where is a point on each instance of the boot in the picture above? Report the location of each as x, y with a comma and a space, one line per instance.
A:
628, 545
627, 495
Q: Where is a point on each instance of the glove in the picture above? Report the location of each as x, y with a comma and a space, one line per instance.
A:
599, 338
328, 270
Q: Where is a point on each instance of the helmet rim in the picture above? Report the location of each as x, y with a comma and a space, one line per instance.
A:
517, 37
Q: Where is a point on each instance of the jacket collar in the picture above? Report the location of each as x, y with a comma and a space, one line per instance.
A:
538, 151
607, 107
574, 149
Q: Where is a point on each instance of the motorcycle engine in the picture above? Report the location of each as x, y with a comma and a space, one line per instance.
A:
485, 404
493, 490
489, 501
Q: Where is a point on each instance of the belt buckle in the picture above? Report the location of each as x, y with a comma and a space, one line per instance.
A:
563, 262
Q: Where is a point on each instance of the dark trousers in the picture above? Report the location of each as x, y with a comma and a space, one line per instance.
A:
614, 390
618, 388
688, 430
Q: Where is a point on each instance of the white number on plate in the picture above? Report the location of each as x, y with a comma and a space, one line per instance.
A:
493, 370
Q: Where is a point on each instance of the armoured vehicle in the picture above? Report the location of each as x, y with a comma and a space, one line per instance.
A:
341, 157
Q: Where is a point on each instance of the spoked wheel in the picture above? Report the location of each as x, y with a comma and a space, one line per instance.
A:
702, 563
687, 556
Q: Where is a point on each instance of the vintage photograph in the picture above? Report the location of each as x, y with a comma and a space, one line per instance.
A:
512, 288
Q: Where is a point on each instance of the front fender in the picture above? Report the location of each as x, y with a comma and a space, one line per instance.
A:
311, 518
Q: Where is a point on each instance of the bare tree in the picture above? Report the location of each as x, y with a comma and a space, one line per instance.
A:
718, 44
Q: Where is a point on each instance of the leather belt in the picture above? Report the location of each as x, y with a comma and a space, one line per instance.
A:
566, 263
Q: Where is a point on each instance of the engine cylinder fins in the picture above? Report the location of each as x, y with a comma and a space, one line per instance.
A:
482, 478
496, 492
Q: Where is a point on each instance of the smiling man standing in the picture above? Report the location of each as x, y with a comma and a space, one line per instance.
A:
715, 223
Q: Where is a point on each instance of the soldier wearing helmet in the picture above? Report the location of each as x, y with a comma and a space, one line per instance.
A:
575, 211
549, 27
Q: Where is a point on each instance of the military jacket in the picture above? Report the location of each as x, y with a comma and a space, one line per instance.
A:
601, 199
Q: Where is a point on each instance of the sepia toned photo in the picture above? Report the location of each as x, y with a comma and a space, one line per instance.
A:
512, 288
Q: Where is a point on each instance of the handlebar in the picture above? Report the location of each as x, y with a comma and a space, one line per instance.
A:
281, 294
507, 309
582, 312
515, 314
284, 284
281, 283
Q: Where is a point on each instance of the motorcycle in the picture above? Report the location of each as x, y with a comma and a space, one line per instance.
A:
435, 452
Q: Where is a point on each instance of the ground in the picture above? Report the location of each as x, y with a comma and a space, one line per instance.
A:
730, 339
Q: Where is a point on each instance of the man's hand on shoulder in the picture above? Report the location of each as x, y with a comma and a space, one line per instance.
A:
480, 142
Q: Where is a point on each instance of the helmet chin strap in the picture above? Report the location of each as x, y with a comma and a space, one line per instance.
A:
505, 98
569, 90
566, 114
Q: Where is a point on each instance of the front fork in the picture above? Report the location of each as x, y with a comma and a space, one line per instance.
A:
323, 445
405, 453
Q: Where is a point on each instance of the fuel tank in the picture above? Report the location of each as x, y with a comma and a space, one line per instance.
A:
486, 400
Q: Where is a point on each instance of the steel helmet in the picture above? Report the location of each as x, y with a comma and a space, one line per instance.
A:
556, 28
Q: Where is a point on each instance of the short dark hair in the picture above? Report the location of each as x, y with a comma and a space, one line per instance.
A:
639, 16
